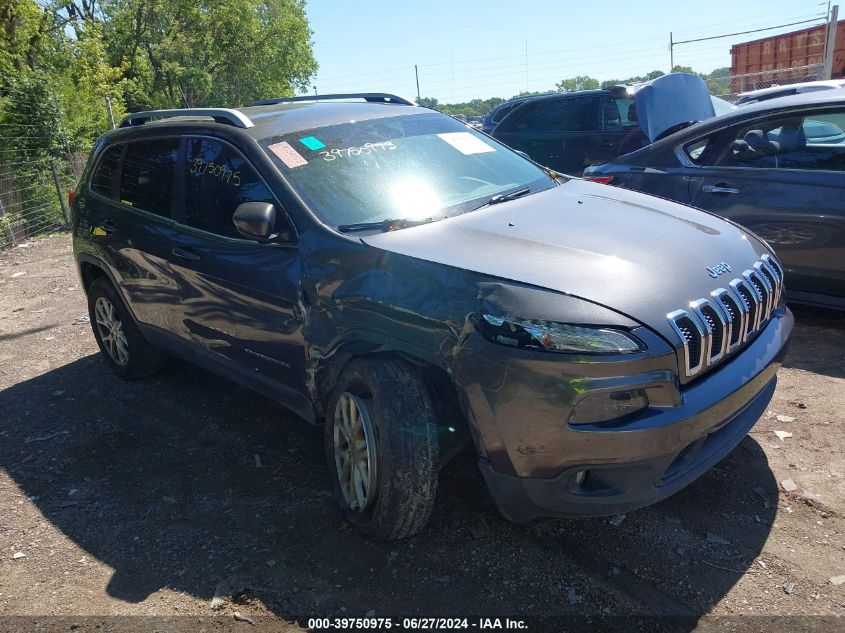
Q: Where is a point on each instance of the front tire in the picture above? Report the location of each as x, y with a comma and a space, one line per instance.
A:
123, 346
381, 445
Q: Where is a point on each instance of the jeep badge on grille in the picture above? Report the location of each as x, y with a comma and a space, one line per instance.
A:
719, 269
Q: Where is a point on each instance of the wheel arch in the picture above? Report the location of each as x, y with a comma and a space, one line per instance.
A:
450, 407
89, 272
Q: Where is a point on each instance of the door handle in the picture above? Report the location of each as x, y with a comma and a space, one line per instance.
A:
185, 254
104, 228
720, 188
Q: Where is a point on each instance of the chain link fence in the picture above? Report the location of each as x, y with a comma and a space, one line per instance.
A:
40, 162
730, 86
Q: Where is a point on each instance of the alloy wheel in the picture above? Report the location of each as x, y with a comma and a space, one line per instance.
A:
111, 331
355, 456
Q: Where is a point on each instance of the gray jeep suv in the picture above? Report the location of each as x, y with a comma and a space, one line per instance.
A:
412, 285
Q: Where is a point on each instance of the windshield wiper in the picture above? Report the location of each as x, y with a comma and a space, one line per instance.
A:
511, 195
389, 224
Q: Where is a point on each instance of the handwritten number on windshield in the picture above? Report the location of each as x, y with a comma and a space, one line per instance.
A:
364, 150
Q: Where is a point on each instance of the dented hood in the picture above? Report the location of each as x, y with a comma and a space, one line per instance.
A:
639, 255
671, 100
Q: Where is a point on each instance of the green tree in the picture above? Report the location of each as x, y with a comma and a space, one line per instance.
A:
34, 136
581, 82
209, 52
28, 38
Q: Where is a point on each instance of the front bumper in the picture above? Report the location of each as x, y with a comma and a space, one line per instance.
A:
531, 462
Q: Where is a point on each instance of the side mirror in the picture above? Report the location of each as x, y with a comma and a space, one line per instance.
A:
255, 220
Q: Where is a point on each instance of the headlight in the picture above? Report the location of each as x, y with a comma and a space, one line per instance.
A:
557, 337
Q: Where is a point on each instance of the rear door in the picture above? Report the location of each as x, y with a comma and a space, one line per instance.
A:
241, 300
132, 224
557, 132
783, 177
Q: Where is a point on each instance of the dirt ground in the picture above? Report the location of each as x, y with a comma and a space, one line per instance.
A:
146, 498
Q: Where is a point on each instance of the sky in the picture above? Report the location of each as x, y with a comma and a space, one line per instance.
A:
467, 49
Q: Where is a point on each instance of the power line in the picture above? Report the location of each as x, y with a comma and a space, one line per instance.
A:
769, 28
794, 13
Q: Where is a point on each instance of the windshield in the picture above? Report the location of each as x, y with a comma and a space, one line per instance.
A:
407, 167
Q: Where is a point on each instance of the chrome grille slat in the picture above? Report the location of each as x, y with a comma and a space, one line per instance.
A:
715, 327
692, 335
768, 290
753, 284
733, 318
743, 306
777, 276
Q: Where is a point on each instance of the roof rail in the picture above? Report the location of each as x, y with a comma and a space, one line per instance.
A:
220, 115
369, 97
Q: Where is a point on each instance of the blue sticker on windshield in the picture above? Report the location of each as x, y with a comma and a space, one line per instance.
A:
312, 142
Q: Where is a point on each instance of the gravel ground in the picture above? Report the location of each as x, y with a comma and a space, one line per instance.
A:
146, 498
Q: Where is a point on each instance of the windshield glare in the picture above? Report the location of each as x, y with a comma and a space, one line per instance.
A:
409, 167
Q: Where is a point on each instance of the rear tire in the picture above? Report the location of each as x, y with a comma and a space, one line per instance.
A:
123, 346
385, 479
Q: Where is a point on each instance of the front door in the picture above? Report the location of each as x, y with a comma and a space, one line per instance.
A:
242, 299
782, 177
618, 133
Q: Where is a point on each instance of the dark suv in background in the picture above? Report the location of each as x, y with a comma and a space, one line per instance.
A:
411, 284
570, 131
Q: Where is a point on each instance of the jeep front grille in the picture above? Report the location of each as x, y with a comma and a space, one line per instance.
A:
717, 326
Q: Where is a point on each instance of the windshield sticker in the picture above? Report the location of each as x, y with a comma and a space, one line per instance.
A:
466, 143
364, 150
288, 155
312, 143
199, 166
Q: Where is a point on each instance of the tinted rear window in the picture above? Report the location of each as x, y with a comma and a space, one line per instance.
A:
146, 181
102, 181
572, 114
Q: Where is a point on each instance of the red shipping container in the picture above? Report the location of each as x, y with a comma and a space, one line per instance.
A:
769, 57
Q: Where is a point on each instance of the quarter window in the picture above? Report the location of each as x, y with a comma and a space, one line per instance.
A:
697, 150
102, 181
218, 180
146, 180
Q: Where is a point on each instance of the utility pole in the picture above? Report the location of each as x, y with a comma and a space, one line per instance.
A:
417, 75
526, 65
830, 42
671, 52
108, 109
452, 64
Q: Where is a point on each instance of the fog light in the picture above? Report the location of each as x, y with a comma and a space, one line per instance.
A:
601, 407
580, 476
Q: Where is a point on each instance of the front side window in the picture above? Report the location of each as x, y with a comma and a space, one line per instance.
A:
627, 111
410, 167
146, 180
569, 114
218, 179
810, 141
102, 181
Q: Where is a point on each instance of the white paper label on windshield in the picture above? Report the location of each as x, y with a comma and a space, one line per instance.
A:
288, 154
466, 143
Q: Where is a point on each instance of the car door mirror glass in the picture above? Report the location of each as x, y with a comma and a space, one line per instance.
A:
255, 220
